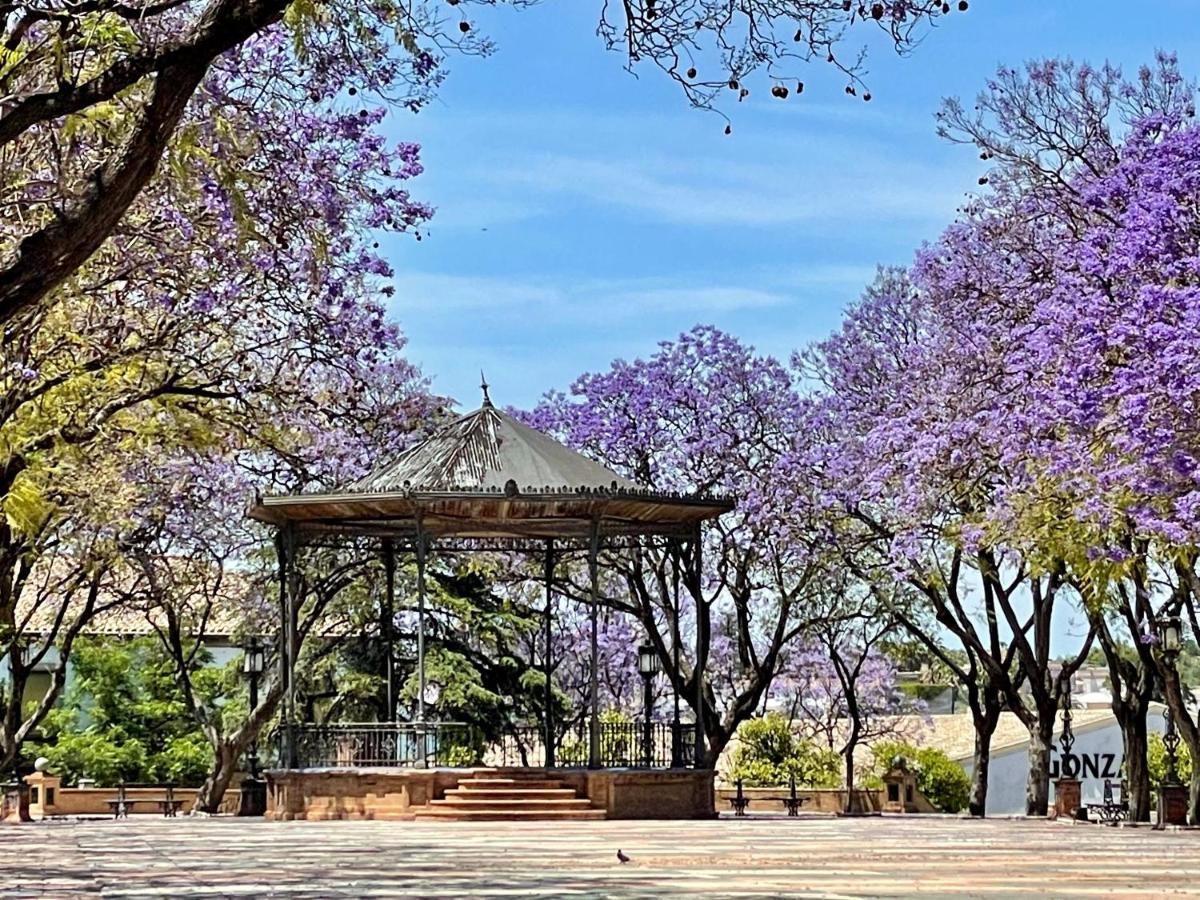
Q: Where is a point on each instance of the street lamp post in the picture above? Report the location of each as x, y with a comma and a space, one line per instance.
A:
1171, 639
1067, 788
254, 789
15, 806
648, 666
1172, 795
1171, 744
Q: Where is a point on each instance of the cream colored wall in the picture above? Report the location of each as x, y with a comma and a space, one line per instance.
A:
92, 801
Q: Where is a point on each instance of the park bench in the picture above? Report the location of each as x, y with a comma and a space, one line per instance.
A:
120, 805
739, 801
1108, 811
791, 802
168, 805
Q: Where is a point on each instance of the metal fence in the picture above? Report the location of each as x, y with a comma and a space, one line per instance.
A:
456, 744
623, 745
376, 744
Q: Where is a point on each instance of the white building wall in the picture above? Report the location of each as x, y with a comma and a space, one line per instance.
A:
1098, 753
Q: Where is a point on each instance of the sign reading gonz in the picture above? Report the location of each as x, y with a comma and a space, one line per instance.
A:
1086, 765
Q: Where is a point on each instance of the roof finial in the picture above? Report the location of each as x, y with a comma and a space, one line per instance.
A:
487, 401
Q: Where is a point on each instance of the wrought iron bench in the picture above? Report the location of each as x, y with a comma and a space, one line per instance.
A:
740, 801
791, 802
168, 805
1109, 811
120, 805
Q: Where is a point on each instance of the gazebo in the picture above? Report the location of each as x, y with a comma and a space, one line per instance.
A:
486, 481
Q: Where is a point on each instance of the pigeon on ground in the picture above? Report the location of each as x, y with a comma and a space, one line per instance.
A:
622, 857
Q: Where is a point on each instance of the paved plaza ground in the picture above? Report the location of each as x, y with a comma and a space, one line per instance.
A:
765, 857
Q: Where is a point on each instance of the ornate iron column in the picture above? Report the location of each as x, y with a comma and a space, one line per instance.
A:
285, 552
594, 717
387, 626
676, 727
548, 660
700, 661
421, 551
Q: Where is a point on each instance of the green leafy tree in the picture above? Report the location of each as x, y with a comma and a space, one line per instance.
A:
123, 717
769, 753
1157, 759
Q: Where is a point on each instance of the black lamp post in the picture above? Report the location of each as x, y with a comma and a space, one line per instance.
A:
648, 666
253, 665
1067, 739
1172, 796
1171, 639
1067, 788
1171, 645
1171, 744
254, 790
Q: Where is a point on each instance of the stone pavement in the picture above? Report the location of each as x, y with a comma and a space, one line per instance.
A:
930, 856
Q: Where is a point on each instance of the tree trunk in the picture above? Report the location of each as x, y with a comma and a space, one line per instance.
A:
212, 792
1194, 796
977, 802
1037, 787
849, 753
1137, 767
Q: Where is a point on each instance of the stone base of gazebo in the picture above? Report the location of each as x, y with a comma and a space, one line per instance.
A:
410, 793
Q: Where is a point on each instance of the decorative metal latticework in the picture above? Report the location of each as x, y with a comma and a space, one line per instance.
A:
368, 745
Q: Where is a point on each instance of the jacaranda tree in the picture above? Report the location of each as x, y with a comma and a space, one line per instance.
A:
97, 96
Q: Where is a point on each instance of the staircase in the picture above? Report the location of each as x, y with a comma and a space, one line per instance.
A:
489, 796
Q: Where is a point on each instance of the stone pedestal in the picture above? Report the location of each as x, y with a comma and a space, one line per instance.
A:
44, 793
1067, 797
899, 790
15, 807
1172, 804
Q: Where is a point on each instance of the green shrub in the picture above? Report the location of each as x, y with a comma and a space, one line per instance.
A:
943, 781
768, 754
1156, 757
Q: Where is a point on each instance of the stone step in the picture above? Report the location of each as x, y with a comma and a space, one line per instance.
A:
511, 793
509, 782
503, 815
503, 803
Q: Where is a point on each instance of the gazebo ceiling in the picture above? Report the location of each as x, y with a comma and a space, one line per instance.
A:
487, 475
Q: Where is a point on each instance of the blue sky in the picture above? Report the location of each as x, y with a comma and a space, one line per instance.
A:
584, 214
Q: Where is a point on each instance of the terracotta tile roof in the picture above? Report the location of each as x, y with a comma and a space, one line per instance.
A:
955, 734
126, 611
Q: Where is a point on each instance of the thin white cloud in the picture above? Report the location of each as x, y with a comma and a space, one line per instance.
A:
429, 295
533, 333
712, 193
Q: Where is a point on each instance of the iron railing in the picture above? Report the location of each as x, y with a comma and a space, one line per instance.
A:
381, 744
457, 744
622, 745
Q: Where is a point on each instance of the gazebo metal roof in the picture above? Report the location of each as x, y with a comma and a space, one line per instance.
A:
488, 475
